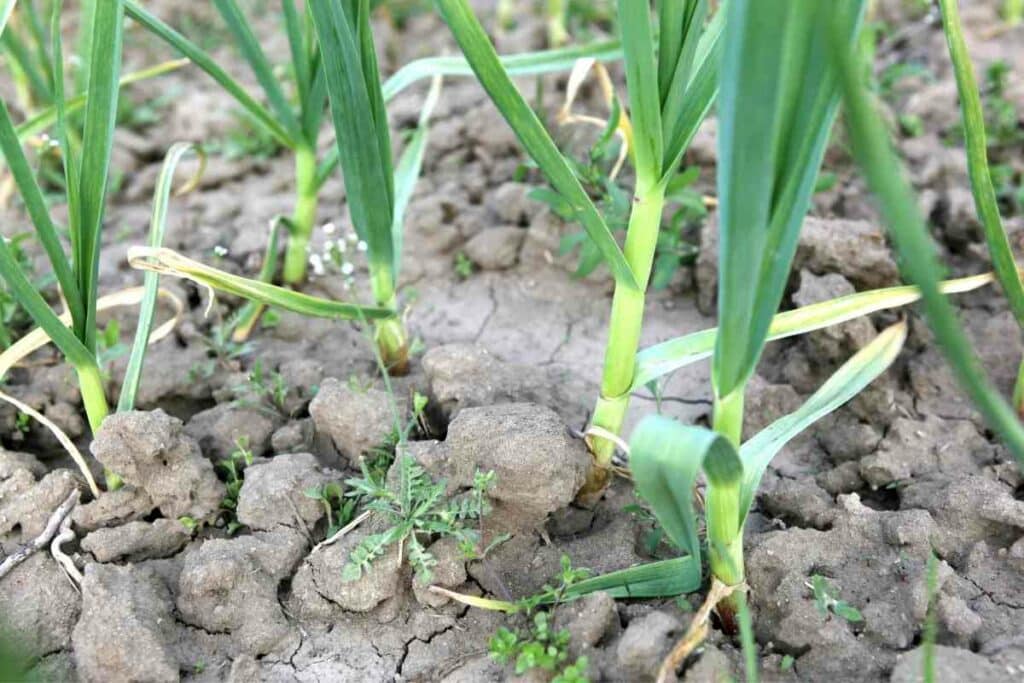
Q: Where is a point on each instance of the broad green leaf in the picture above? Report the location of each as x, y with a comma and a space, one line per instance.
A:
683, 112
661, 579
205, 62
97, 143
642, 84
407, 172
776, 106
151, 280
977, 161
659, 360
361, 127
480, 54
665, 457
845, 383
168, 262
918, 260
525, 64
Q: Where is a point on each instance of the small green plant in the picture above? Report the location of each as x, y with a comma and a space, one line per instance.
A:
247, 139
338, 509
233, 468
379, 458
826, 599
462, 265
415, 512
222, 351
22, 423
264, 390
787, 663
540, 646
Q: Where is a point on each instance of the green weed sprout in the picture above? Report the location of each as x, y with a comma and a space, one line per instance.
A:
672, 81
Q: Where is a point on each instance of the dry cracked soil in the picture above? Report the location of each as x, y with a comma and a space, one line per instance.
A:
510, 358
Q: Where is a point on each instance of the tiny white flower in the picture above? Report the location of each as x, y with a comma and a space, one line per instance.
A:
352, 237
317, 264
221, 251
361, 245
329, 228
347, 268
341, 246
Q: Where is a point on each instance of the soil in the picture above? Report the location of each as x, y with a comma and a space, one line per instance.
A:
510, 362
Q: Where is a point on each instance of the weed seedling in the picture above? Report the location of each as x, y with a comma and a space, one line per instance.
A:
826, 599
462, 266
416, 511
263, 390
233, 468
222, 351
338, 509
541, 646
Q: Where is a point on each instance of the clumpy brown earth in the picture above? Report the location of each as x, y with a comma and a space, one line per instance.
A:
512, 356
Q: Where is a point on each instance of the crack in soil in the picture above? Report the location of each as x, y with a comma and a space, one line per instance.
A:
988, 594
428, 640
494, 309
566, 338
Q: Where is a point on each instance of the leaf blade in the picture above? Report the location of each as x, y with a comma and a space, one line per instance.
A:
850, 379
480, 54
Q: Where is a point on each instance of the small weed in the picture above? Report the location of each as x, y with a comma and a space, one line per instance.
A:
541, 646
109, 345
416, 513
826, 598
222, 352
233, 467
463, 266
264, 390
22, 423
787, 662
379, 458
673, 250
339, 510
911, 125
247, 139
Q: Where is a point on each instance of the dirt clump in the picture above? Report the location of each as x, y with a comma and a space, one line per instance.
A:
136, 541
127, 629
39, 606
318, 586
274, 493
356, 420
231, 586
151, 450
